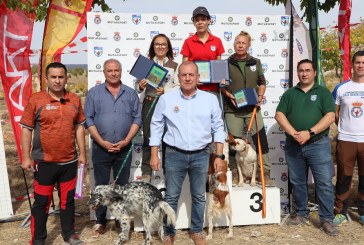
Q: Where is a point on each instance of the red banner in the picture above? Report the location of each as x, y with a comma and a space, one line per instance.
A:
344, 37
15, 37
65, 19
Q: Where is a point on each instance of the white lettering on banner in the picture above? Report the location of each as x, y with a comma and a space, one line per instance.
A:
23, 75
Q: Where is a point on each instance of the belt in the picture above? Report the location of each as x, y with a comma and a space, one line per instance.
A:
149, 98
186, 152
315, 139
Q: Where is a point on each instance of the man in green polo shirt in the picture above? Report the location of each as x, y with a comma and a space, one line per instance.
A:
305, 112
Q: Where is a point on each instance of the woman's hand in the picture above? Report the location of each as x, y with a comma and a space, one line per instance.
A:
142, 84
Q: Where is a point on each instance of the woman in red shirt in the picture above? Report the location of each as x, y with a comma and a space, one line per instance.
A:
202, 45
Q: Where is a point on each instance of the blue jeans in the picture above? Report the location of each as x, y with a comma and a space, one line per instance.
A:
177, 164
103, 162
317, 157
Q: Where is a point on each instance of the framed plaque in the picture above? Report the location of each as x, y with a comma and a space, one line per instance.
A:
204, 69
213, 71
156, 75
246, 96
145, 68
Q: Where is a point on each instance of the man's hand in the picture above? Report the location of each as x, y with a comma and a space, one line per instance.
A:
27, 164
155, 163
219, 164
160, 91
302, 137
108, 146
82, 159
118, 146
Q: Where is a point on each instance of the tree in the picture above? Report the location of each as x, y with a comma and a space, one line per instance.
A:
40, 10
330, 47
325, 6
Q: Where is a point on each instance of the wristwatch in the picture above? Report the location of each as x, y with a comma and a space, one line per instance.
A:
311, 133
222, 156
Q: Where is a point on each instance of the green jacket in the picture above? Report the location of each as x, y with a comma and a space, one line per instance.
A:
246, 73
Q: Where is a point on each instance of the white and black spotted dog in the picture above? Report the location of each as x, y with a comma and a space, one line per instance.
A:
134, 199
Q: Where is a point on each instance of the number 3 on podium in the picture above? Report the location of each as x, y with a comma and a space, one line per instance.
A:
258, 206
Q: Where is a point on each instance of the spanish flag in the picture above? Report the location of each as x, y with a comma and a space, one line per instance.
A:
65, 19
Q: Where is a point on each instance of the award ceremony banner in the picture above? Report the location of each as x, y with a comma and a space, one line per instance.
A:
124, 36
16, 30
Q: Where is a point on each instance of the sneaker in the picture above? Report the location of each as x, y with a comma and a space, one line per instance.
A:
199, 238
298, 220
339, 219
98, 230
168, 240
74, 240
361, 219
329, 228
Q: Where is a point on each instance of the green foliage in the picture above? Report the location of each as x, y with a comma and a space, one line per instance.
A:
79, 88
40, 10
330, 47
78, 71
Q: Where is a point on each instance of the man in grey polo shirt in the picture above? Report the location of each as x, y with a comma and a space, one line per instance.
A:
113, 117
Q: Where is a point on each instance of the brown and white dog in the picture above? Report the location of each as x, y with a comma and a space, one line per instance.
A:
219, 196
246, 161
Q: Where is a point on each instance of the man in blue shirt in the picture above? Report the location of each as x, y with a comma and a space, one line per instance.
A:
190, 117
113, 117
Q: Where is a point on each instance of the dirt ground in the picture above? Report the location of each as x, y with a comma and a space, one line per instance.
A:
12, 233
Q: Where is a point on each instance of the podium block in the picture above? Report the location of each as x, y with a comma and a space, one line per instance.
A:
246, 205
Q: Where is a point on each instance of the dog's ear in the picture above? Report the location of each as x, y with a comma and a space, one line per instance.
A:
231, 139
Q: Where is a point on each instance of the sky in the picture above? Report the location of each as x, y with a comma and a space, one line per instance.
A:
252, 7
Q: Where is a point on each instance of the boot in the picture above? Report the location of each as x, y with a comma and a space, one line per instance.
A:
267, 180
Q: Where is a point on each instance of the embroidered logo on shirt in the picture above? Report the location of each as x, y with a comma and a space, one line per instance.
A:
313, 97
213, 48
357, 111
51, 107
253, 68
176, 109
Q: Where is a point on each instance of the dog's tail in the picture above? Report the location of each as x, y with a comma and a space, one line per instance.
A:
167, 213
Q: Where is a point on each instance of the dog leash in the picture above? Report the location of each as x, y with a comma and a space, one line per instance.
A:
254, 117
133, 142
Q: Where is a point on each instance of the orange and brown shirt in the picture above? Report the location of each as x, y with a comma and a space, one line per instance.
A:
54, 125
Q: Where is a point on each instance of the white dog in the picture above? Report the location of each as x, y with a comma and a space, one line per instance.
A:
246, 161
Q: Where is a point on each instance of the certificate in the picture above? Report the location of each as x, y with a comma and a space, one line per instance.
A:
204, 69
148, 69
246, 96
213, 71
156, 76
